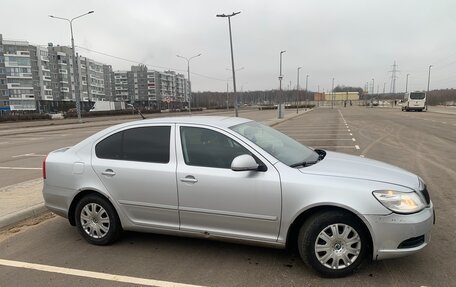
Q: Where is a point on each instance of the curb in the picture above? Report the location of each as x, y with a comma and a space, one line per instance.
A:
15, 217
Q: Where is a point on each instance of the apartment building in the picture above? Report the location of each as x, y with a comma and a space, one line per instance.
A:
16, 81
120, 86
42, 78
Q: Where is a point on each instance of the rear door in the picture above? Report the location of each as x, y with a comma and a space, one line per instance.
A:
137, 166
215, 200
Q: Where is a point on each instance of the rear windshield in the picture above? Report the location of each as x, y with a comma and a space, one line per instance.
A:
417, 96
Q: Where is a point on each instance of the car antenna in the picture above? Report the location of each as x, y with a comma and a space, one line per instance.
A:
139, 112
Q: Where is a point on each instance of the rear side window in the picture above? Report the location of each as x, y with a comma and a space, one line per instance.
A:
146, 144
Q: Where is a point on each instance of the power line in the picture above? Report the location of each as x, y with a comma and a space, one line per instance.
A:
148, 65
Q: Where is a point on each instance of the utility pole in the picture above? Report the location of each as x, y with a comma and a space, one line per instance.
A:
236, 108
384, 85
298, 95
332, 94
373, 86
279, 106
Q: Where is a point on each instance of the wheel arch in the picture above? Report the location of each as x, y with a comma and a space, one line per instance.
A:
293, 230
81, 194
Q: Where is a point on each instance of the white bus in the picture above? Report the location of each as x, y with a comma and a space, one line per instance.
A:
414, 101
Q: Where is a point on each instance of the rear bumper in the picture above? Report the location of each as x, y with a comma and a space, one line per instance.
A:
397, 235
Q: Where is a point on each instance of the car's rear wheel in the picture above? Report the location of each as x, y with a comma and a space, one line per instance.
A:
334, 243
97, 220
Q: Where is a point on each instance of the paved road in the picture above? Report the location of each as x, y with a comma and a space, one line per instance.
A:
420, 142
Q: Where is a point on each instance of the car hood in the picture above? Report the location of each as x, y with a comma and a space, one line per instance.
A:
349, 166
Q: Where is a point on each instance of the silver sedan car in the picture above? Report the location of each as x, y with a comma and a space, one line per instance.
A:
235, 179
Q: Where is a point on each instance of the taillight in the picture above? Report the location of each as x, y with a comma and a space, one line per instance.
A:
44, 167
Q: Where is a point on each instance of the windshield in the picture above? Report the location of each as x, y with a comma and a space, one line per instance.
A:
417, 96
280, 146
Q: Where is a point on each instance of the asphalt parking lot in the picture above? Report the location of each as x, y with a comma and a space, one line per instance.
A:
50, 252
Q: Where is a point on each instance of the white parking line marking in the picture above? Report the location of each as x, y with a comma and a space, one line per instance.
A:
349, 130
351, 134
298, 139
357, 146
443, 122
334, 146
28, 154
353, 139
93, 275
20, 168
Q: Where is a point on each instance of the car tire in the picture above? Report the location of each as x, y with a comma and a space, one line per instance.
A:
97, 220
333, 243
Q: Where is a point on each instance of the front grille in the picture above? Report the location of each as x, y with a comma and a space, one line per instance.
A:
412, 242
425, 194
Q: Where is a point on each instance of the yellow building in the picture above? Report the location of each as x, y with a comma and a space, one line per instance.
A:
342, 96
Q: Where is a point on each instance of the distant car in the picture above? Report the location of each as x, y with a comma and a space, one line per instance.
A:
235, 179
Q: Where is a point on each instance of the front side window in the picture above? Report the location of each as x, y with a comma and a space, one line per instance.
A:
146, 144
208, 148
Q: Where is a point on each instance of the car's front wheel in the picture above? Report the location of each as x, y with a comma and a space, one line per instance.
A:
97, 220
334, 243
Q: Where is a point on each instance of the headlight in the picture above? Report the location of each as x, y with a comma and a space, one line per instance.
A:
400, 202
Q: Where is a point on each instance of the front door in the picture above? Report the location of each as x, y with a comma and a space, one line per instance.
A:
215, 200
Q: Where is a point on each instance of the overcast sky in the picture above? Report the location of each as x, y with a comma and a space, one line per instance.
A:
350, 40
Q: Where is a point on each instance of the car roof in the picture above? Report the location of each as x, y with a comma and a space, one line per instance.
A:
216, 121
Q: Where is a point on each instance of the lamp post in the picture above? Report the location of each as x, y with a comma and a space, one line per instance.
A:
232, 60
406, 83
429, 78
332, 94
76, 76
189, 83
298, 95
279, 106
307, 96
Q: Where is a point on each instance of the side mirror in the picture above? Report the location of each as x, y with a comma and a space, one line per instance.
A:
243, 163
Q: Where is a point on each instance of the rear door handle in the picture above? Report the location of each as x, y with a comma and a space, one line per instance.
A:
189, 179
108, 172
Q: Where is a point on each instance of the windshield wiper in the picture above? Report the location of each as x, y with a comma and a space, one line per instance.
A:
321, 155
305, 163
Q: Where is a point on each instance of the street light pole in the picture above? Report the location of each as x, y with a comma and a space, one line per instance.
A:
298, 95
307, 95
189, 82
279, 105
232, 60
406, 83
76, 76
429, 78
332, 94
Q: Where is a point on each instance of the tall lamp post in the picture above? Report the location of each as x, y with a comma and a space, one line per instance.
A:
406, 83
298, 95
76, 76
189, 83
307, 95
237, 70
236, 108
429, 78
279, 106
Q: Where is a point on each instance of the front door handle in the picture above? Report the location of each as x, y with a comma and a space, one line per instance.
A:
189, 179
108, 172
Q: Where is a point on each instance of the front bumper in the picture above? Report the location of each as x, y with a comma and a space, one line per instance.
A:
393, 234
